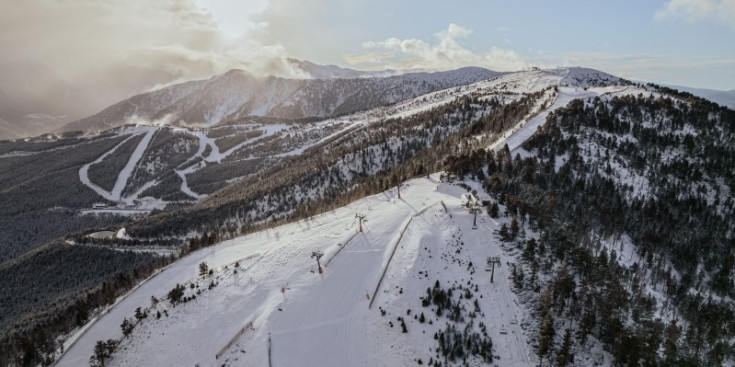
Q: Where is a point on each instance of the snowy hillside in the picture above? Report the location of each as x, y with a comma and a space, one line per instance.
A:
292, 311
267, 282
141, 177
569, 160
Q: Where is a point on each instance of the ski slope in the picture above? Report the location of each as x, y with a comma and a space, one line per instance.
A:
528, 126
122, 179
304, 318
571, 83
525, 128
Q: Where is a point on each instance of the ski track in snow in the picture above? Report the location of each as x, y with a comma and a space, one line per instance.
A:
519, 82
516, 136
215, 156
124, 175
127, 171
185, 185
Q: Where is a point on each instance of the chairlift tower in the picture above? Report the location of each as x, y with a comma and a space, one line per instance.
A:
491, 261
474, 209
360, 218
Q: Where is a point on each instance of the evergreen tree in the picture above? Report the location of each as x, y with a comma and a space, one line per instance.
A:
546, 337
102, 352
203, 269
126, 327
564, 356
493, 210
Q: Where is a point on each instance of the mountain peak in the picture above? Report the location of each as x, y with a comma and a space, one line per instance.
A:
317, 71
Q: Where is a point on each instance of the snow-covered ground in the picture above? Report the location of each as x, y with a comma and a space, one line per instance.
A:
275, 308
309, 319
279, 309
122, 179
505, 87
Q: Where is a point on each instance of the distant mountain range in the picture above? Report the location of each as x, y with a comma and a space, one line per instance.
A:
721, 97
237, 94
317, 71
26, 110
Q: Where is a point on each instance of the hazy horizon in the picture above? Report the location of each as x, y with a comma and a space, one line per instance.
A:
63, 60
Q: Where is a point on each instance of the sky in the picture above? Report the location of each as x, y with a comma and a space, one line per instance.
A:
109, 50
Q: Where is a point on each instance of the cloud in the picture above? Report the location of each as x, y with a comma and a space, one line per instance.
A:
109, 50
369, 58
446, 53
717, 11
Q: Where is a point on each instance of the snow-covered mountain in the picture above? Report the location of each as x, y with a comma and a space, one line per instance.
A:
316, 71
238, 94
582, 173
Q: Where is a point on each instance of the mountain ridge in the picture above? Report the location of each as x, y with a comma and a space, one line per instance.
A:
238, 94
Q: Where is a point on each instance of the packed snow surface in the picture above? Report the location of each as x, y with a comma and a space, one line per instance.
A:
304, 318
122, 179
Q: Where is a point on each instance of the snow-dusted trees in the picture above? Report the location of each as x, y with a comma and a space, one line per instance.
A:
564, 356
127, 327
176, 294
203, 269
103, 352
638, 166
546, 337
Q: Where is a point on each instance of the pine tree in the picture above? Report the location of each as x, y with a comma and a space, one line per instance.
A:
102, 352
546, 337
126, 327
139, 314
175, 294
493, 210
514, 227
586, 325
504, 235
530, 251
564, 356
670, 342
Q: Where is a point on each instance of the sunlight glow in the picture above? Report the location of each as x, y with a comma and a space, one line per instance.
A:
234, 16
